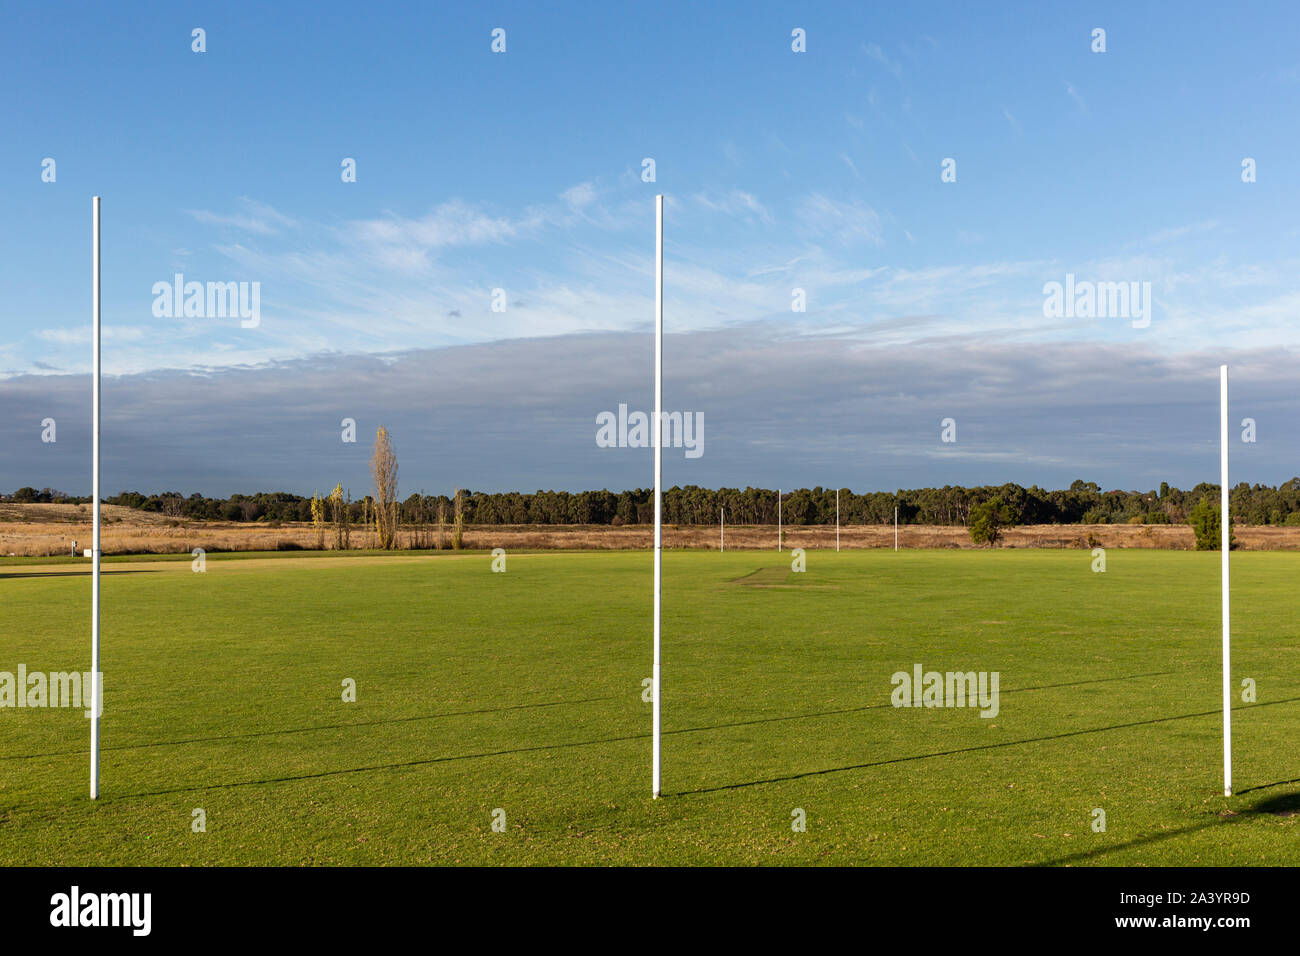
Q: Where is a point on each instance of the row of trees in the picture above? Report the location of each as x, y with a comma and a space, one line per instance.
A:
382, 512
989, 517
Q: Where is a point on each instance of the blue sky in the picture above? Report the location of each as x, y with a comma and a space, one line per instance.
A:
522, 171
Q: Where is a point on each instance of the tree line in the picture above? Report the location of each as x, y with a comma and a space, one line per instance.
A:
1082, 503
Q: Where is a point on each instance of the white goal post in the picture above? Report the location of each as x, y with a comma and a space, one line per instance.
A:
1225, 543
96, 692
658, 441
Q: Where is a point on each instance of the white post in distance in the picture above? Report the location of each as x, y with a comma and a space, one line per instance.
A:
778, 520
722, 530
895, 527
1225, 530
837, 521
95, 690
658, 439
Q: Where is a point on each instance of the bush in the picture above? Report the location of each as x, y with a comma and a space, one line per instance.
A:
987, 520
1205, 522
1095, 516
1292, 519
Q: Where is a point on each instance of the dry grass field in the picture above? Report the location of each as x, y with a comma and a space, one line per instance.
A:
34, 530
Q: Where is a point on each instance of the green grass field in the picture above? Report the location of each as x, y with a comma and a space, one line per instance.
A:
523, 691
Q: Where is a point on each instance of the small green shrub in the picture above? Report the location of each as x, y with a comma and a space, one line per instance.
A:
1204, 519
987, 520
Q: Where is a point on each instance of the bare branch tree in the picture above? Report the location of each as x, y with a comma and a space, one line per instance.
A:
458, 528
383, 469
318, 519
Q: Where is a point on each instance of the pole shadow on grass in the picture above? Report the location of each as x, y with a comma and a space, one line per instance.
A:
625, 738
1267, 786
307, 730
71, 574
975, 749
1281, 805
557, 703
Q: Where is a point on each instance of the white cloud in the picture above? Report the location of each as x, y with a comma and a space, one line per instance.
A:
582, 262
453, 223
256, 217
1076, 96
845, 222
876, 53
735, 203
1181, 232
580, 196
81, 335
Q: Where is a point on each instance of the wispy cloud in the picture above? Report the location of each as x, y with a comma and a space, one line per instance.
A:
81, 335
1076, 96
735, 203
845, 222
874, 51
579, 196
580, 261
252, 216
1182, 232
450, 224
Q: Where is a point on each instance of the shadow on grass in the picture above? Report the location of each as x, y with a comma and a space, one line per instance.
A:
625, 738
307, 730
74, 574
975, 749
1280, 805
557, 703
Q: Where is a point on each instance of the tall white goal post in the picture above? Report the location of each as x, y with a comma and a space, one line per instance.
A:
96, 692
658, 440
1225, 543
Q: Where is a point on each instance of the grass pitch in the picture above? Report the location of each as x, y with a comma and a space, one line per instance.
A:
522, 692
